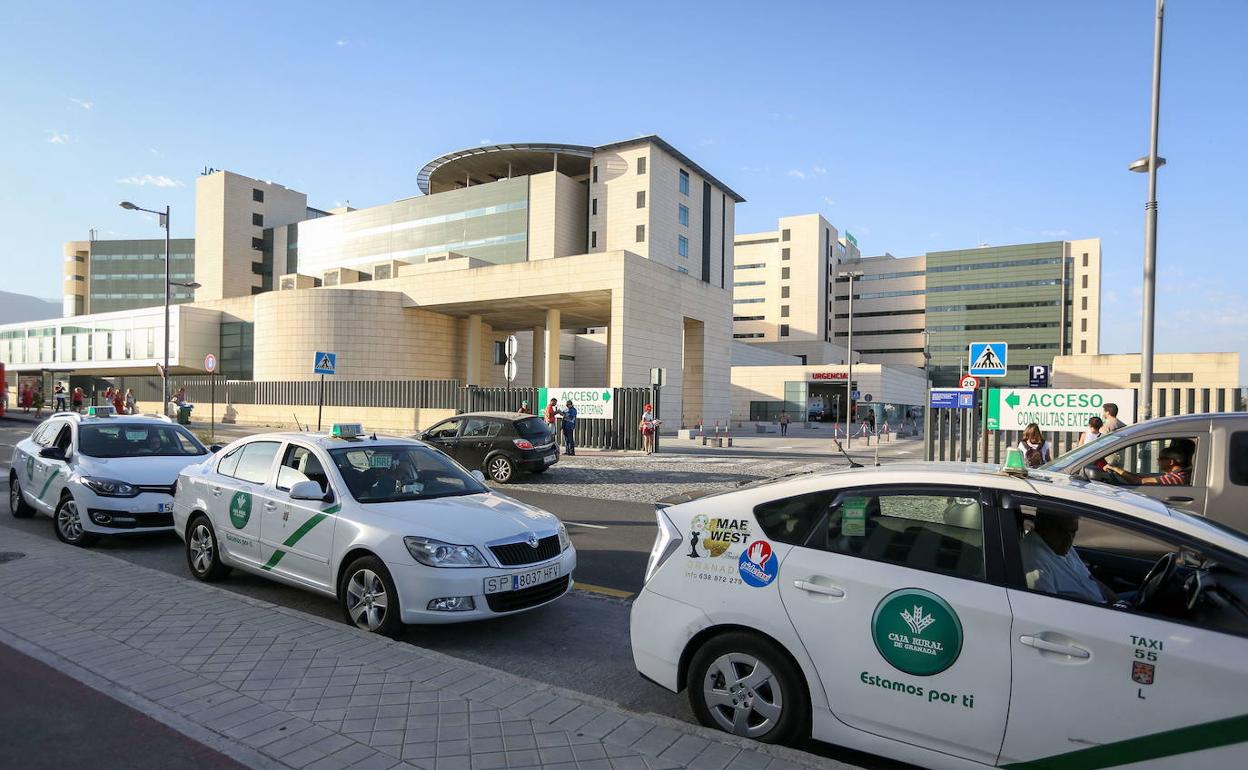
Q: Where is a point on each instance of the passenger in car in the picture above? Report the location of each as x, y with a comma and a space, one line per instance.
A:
1052, 565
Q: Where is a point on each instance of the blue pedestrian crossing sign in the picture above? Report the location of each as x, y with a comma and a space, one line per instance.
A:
324, 363
988, 359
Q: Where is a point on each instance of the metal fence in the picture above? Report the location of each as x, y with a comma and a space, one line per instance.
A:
621, 432
957, 434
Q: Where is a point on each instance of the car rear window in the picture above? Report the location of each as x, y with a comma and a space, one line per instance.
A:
1239, 458
532, 428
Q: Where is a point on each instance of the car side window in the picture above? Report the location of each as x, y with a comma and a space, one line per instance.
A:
1082, 555
941, 531
300, 464
1144, 459
792, 519
64, 439
1238, 458
229, 461
256, 461
448, 429
44, 434
479, 427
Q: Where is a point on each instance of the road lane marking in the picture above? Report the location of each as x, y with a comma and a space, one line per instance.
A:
581, 524
613, 592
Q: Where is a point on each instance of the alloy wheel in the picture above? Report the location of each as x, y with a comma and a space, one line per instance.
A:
15, 497
67, 521
743, 695
202, 548
500, 469
367, 600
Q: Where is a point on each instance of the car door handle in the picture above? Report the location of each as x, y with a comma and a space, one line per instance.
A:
1179, 500
1060, 649
816, 588
270, 506
216, 491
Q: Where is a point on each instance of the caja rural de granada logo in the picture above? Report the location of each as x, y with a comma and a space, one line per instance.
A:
240, 509
917, 632
712, 535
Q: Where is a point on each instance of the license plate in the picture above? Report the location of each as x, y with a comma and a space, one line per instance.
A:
548, 459
515, 582
164, 507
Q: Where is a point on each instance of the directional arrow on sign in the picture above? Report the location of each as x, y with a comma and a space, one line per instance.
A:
606, 395
1013, 400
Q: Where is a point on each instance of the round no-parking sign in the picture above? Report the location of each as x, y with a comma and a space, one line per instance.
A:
210, 363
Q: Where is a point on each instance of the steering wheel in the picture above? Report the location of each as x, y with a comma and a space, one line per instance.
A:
1157, 576
1093, 473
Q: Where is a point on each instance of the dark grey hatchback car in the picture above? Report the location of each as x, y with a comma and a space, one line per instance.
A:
500, 444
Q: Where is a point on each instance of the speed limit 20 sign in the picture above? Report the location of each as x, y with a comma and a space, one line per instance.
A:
969, 383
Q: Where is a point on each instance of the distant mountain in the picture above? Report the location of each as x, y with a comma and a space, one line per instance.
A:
23, 307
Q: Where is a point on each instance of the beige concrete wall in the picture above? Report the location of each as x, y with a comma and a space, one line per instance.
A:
809, 286
616, 192
759, 355
1085, 255
592, 362
1207, 370
874, 332
76, 272
557, 214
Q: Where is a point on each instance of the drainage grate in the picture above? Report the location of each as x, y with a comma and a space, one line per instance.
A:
10, 556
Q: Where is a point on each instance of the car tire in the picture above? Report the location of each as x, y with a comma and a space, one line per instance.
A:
500, 469
203, 554
368, 598
67, 521
745, 685
17, 503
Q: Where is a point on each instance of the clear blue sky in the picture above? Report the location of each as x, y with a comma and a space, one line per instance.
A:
916, 126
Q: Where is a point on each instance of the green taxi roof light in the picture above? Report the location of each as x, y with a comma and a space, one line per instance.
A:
346, 430
1014, 462
101, 411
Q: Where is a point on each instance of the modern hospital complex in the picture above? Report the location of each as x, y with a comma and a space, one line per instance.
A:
606, 262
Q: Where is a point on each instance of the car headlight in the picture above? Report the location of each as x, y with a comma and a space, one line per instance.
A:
110, 487
564, 541
435, 553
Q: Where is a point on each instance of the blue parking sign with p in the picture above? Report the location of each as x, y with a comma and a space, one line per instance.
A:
324, 363
988, 359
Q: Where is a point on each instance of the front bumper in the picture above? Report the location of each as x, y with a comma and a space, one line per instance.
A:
123, 515
418, 585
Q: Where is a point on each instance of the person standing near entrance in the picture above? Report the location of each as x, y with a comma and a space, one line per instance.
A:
569, 429
647, 427
130, 403
784, 422
78, 398
1109, 419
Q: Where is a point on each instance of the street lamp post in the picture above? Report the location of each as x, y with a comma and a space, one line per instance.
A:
169, 283
1149, 165
849, 356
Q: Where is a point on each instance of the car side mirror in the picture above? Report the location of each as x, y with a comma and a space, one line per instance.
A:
478, 475
215, 448
306, 490
52, 453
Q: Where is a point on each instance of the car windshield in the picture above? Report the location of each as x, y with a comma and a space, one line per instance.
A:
391, 474
137, 440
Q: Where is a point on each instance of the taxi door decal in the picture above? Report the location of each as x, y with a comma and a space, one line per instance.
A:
298, 534
51, 476
1184, 740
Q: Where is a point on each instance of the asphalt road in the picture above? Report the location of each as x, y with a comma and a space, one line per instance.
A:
580, 642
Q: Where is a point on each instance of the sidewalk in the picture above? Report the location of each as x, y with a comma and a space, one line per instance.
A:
273, 687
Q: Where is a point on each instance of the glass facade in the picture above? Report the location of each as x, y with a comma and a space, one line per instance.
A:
238, 346
1017, 296
125, 275
489, 222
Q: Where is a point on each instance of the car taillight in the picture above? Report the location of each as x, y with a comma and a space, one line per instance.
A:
522, 443
666, 541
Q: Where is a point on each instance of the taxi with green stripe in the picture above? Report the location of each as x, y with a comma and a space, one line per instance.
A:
393, 529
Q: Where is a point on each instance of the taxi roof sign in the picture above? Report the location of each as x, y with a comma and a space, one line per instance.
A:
101, 411
346, 430
1014, 465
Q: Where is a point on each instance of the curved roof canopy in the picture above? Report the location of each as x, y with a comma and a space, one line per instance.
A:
489, 163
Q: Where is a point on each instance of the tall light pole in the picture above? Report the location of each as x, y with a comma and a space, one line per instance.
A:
1149, 165
849, 355
169, 283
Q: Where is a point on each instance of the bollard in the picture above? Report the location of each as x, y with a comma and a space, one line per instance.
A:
726, 436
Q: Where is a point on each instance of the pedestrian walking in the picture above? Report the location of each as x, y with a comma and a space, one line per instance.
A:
784, 422
647, 426
871, 420
119, 401
1035, 449
1093, 432
525, 408
25, 398
1109, 416
37, 399
130, 402
569, 429
60, 399
78, 398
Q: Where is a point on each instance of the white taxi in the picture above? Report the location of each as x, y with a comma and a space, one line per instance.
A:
101, 473
394, 529
954, 616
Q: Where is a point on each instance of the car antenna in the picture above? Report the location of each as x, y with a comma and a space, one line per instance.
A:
374, 435
852, 464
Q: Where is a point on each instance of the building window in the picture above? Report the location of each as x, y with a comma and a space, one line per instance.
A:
595, 173
784, 235
380, 273
641, 165
682, 245
784, 292
641, 199
1083, 303
1085, 259
1085, 281
641, 233
257, 195
1083, 324
593, 207
784, 330
784, 273
257, 244
682, 215
1083, 346
684, 270
593, 239
784, 254
257, 220
684, 182
784, 311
